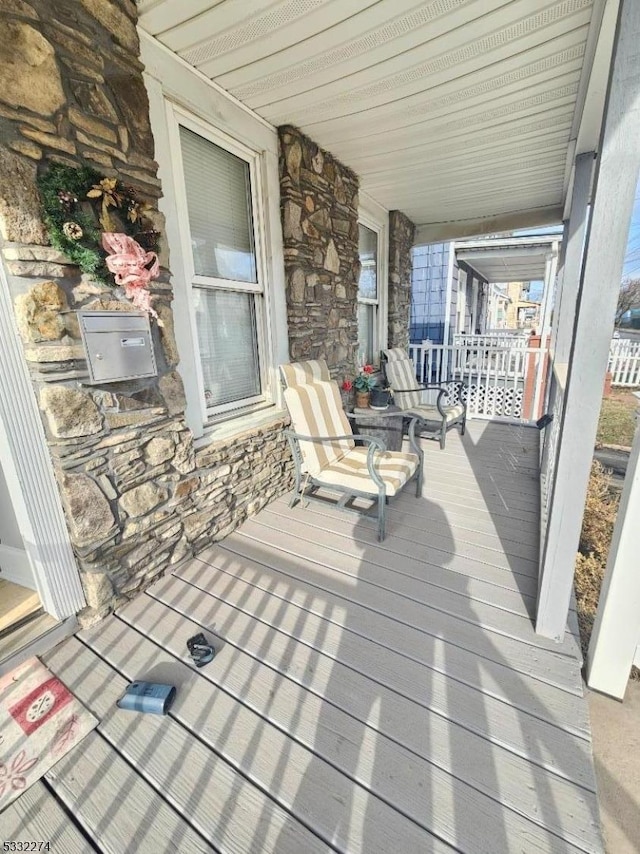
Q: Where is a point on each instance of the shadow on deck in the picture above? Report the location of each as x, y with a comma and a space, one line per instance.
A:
365, 697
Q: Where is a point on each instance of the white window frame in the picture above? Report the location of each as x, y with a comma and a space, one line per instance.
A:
176, 118
168, 79
375, 217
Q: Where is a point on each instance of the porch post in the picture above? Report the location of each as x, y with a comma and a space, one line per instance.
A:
616, 178
616, 632
569, 276
550, 271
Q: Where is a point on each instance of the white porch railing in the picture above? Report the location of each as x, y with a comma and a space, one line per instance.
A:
624, 362
502, 381
496, 338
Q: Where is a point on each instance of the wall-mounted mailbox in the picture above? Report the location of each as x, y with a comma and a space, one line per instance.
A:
118, 345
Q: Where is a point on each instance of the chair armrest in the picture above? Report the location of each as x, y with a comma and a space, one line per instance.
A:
380, 446
374, 445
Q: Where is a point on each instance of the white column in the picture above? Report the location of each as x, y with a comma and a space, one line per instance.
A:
616, 631
569, 277
551, 267
474, 305
616, 179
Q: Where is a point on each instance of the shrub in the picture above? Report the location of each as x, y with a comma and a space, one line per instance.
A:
595, 539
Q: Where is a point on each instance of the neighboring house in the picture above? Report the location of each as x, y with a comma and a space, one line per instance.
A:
451, 296
448, 297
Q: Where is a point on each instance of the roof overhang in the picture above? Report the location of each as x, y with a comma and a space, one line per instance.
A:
518, 259
464, 114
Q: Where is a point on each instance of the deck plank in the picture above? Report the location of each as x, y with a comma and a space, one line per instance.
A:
364, 756
210, 796
490, 701
148, 632
408, 620
440, 542
115, 806
37, 816
470, 714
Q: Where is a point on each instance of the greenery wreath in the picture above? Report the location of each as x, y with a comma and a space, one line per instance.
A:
78, 204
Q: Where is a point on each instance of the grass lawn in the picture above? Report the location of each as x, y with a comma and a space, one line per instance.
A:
617, 418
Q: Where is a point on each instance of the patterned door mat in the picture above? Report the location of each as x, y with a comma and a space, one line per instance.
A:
40, 721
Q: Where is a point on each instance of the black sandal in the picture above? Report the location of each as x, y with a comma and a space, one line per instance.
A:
200, 650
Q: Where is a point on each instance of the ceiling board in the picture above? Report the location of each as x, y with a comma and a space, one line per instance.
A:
451, 110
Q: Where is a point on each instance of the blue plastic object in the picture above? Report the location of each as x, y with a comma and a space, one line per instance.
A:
151, 697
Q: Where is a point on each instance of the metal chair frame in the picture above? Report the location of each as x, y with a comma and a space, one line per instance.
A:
441, 433
304, 480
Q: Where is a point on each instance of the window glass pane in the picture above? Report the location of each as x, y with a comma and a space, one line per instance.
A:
368, 250
228, 340
218, 200
366, 321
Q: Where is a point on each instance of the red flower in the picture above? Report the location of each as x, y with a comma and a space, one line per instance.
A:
368, 369
347, 385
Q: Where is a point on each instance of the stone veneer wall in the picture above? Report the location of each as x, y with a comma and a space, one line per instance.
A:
401, 237
319, 200
137, 496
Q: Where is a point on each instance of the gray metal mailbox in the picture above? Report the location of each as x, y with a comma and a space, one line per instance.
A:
118, 345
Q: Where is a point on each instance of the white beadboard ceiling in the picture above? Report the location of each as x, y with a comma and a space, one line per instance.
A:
516, 259
464, 114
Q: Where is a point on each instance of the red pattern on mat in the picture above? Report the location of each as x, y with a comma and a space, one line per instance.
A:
38, 707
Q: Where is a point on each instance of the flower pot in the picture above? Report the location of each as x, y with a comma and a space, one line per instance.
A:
380, 398
362, 399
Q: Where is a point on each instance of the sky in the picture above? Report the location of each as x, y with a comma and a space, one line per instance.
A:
631, 269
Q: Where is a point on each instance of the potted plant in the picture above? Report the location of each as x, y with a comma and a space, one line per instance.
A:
363, 384
380, 397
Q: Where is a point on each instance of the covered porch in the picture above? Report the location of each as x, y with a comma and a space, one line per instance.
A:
364, 697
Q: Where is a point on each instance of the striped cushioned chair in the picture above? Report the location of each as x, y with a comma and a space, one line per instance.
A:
327, 454
425, 402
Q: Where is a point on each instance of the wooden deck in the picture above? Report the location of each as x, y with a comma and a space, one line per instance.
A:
365, 697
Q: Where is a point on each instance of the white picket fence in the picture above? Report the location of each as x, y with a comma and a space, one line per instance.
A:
624, 362
502, 381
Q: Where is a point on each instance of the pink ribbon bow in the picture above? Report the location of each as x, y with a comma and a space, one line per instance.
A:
132, 267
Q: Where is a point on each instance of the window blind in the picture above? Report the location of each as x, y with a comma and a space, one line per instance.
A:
366, 321
218, 201
368, 252
227, 336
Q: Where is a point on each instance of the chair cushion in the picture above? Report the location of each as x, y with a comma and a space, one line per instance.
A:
351, 472
316, 410
431, 413
400, 373
301, 373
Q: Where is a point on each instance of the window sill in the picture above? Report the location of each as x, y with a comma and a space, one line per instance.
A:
233, 428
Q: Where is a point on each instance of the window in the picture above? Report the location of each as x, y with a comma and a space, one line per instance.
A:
368, 295
223, 267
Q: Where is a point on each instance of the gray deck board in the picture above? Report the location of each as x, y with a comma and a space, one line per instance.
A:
365, 697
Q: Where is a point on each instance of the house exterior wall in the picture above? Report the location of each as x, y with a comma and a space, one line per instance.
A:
138, 496
429, 304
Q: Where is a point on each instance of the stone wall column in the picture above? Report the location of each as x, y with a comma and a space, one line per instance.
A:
319, 203
401, 238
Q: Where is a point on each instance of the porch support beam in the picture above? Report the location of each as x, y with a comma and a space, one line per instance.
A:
436, 232
616, 179
616, 631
